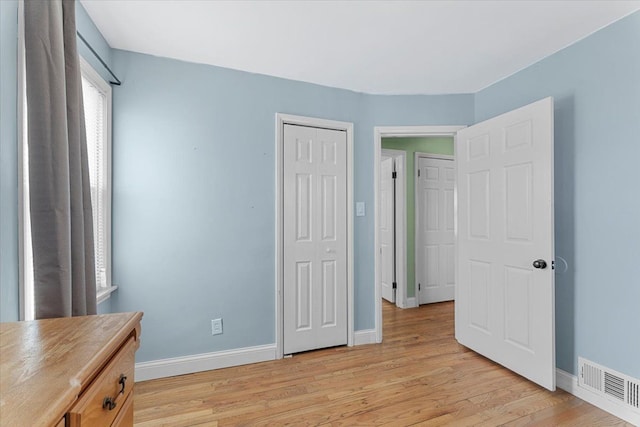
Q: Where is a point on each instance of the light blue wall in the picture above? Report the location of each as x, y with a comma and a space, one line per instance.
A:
596, 87
194, 195
9, 297
9, 286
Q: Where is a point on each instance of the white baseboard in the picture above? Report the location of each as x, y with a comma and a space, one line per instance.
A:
203, 362
163, 368
569, 383
412, 302
367, 336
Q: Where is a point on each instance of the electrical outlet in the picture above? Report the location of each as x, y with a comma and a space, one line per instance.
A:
216, 326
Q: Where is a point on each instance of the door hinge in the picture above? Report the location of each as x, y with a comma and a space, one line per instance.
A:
419, 286
418, 173
394, 175
394, 285
553, 265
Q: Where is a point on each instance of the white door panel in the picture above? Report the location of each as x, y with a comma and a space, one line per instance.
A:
504, 306
386, 231
435, 255
315, 238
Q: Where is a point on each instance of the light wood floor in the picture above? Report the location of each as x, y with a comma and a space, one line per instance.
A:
418, 376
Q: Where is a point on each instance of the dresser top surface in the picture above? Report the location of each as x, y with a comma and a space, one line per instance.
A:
45, 364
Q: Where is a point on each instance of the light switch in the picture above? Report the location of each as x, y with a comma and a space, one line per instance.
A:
359, 208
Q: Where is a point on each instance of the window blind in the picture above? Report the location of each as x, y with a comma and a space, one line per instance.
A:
95, 109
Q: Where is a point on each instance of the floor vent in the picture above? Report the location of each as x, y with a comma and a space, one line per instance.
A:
610, 383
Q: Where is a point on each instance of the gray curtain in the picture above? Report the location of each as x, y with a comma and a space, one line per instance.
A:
60, 195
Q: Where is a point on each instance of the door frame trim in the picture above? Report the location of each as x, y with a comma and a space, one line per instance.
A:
380, 132
416, 156
400, 212
281, 120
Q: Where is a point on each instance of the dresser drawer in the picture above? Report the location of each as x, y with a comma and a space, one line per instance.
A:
106, 395
125, 416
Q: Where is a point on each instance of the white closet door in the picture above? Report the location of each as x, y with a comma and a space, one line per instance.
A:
315, 238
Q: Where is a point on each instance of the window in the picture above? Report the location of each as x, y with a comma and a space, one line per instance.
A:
97, 112
97, 115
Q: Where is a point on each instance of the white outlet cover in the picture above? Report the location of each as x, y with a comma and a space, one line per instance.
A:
360, 209
216, 326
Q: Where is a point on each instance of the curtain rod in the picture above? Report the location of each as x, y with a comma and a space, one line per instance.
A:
104, 64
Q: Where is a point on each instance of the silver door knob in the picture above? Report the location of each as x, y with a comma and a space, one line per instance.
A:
540, 263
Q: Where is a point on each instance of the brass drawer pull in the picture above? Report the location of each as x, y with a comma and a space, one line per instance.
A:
122, 381
109, 402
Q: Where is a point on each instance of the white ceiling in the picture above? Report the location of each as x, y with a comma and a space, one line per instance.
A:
379, 47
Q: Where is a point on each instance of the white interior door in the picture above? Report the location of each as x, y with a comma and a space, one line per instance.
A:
435, 248
315, 238
386, 233
505, 298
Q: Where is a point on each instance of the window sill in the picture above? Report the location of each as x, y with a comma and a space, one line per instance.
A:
105, 293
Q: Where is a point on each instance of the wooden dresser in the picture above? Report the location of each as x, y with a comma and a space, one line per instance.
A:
73, 371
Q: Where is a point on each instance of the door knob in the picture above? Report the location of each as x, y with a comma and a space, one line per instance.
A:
540, 263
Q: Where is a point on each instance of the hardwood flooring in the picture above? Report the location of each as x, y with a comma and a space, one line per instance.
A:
419, 375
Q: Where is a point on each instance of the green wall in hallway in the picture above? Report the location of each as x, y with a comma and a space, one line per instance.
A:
430, 145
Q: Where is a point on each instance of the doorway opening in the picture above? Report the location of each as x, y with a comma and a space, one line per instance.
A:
408, 140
